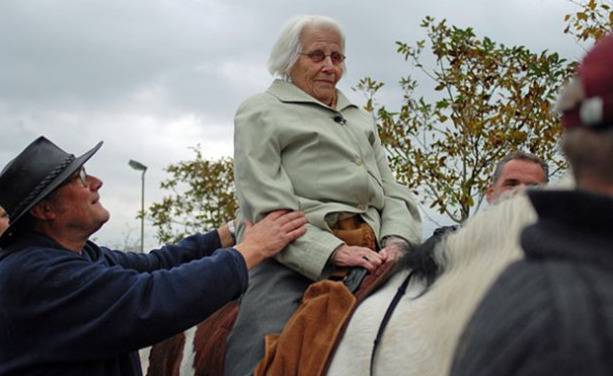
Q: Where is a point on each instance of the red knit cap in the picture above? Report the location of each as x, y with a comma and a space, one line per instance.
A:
588, 102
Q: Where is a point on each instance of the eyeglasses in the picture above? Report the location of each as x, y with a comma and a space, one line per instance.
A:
318, 56
81, 174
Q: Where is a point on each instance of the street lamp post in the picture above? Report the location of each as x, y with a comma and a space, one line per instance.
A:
141, 167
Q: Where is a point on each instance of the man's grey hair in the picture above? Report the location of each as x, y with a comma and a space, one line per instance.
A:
522, 156
589, 153
286, 50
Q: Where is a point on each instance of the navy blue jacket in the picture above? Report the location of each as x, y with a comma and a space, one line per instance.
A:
64, 313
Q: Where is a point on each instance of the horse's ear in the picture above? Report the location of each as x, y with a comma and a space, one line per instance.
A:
489, 193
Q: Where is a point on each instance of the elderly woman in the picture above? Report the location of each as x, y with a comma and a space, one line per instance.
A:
302, 145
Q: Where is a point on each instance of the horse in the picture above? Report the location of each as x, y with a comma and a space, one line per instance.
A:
424, 329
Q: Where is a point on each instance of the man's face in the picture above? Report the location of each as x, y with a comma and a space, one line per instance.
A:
516, 174
4, 221
77, 205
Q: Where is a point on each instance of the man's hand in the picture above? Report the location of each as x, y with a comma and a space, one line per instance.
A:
270, 235
347, 255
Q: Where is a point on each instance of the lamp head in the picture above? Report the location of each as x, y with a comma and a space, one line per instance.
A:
137, 165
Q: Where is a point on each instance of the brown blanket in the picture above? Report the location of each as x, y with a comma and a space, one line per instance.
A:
308, 336
307, 343
308, 340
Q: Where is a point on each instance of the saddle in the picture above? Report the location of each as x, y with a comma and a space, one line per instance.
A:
308, 341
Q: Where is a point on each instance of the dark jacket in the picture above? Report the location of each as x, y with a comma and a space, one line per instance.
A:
552, 313
64, 313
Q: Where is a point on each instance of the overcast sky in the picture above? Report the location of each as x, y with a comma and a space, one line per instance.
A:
151, 78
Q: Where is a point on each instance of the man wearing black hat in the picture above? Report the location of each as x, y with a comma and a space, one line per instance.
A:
70, 307
552, 313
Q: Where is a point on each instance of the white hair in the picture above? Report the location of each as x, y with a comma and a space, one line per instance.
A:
286, 50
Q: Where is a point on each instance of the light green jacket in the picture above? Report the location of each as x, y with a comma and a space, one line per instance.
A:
290, 152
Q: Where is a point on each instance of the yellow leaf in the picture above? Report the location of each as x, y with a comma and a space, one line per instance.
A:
592, 4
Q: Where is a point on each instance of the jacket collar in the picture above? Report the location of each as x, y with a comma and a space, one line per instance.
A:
289, 93
32, 239
572, 225
583, 210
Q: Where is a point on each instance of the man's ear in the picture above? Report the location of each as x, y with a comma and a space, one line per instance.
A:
43, 211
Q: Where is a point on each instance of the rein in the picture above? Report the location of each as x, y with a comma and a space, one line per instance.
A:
386, 318
427, 267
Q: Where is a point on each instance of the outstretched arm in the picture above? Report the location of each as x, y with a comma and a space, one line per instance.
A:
270, 235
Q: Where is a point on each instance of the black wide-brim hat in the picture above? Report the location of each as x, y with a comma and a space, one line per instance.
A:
36, 172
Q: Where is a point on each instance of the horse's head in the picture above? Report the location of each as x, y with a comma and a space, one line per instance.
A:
492, 232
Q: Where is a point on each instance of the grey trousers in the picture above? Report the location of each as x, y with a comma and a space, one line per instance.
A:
274, 293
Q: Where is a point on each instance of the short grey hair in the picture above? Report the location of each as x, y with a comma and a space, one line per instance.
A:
286, 50
522, 156
589, 154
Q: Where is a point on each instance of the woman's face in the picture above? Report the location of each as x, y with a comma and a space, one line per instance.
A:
318, 79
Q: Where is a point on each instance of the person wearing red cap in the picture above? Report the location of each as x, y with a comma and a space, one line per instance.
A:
552, 312
71, 307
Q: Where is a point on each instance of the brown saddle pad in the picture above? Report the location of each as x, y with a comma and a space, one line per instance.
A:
209, 344
307, 343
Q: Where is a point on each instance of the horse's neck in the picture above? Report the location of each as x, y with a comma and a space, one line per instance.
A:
422, 334
429, 327
352, 357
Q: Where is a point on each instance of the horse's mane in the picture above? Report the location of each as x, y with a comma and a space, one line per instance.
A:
496, 228
421, 260
493, 228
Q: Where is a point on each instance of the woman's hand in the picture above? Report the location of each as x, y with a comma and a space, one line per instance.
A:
347, 255
226, 236
270, 235
394, 247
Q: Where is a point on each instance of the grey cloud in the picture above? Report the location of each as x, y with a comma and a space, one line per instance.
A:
153, 77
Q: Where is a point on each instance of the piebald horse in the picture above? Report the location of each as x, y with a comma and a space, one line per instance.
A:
447, 283
423, 331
